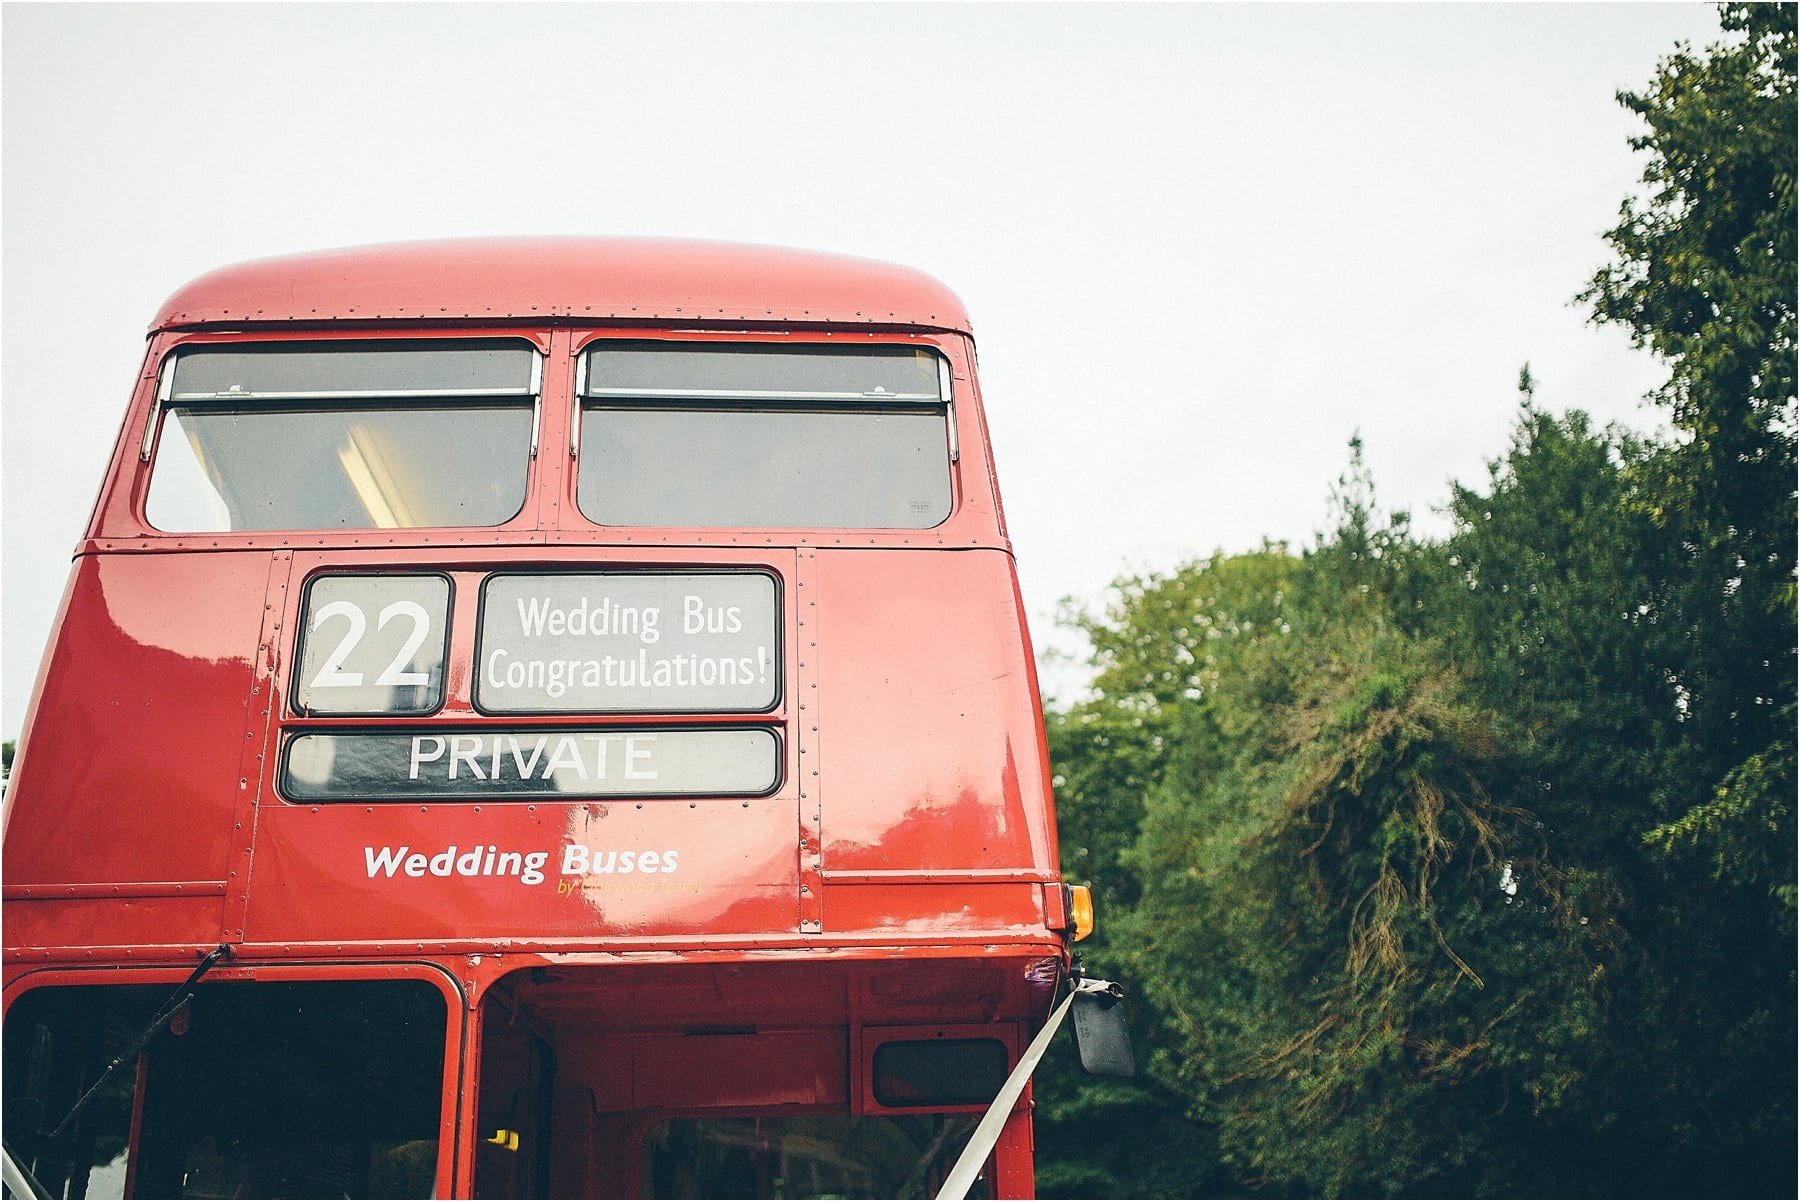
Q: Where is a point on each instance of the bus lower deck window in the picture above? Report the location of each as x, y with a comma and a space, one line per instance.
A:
321, 1089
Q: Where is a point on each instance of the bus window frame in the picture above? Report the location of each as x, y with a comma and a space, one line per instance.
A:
128, 499
947, 349
866, 1040
550, 516
452, 1137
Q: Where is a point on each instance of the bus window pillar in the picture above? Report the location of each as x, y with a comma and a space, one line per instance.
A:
1013, 1173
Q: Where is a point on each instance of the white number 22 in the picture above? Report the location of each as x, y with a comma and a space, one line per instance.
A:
332, 674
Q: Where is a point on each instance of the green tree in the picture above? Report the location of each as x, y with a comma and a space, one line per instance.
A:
1469, 866
1371, 977
1165, 641
1705, 275
1568, 592
1391, 913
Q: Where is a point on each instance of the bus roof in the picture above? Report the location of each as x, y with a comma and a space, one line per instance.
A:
565, 279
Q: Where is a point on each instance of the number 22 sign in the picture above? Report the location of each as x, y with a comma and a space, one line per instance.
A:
373, 645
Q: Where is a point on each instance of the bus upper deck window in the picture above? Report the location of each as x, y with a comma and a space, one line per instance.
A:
722, 435
343, 435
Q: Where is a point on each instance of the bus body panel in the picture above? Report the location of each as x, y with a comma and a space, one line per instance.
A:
945, 734
326, 874
531, 873
138, 740
584, 279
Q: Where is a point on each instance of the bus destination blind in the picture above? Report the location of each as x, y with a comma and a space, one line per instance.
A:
629, 642
519, 765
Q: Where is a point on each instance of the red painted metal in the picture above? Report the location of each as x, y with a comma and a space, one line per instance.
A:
589, 280
903, 873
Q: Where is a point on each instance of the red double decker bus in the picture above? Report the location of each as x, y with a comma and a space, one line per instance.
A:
540, 717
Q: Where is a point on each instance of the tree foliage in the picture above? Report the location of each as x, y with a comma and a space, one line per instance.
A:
1705, 267
1333, 921
1467, 865
1705, 275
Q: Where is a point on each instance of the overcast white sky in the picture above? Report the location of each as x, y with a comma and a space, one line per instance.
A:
1202, 245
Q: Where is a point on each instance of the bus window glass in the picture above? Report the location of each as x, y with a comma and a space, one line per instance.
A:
718, 435
355, 369
277, 1090
336, 436
57, 1042
673, 369
809, 1156
939, 1072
